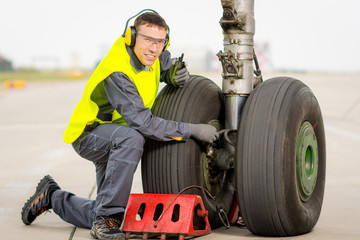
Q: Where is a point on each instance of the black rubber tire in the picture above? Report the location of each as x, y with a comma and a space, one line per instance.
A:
169, 167
266, 172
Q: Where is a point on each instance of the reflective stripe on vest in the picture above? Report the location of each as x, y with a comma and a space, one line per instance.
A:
117, 60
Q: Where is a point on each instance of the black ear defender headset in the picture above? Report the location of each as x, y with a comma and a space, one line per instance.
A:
130, 33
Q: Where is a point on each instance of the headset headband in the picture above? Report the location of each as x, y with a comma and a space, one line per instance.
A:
127, 22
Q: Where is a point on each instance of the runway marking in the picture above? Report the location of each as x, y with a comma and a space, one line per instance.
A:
343, 133
37, 170
53, 154
15, 189
30, 126
4, 212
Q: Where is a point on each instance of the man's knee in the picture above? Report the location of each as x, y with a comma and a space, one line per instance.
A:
136, 139
132, 139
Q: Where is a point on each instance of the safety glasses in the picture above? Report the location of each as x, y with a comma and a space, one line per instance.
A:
159, 42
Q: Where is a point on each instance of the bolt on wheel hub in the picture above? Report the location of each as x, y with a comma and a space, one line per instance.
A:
307, 161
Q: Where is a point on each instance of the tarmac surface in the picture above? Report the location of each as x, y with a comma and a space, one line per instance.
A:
33, 120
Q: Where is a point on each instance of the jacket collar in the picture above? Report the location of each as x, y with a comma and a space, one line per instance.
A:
135, 62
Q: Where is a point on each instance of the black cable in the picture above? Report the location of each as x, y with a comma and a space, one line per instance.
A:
187, 188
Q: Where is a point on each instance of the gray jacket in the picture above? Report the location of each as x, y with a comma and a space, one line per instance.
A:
118, 92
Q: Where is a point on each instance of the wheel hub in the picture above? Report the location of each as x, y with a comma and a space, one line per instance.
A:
307, 161
217, 160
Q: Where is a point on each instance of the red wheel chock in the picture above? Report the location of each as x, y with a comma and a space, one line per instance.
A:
165, 214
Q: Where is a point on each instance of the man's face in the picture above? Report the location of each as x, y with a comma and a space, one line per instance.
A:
149, 43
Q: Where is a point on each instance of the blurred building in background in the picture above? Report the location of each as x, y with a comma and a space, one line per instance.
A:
263, 53
203, 59
198, 59
45, 63
5, 64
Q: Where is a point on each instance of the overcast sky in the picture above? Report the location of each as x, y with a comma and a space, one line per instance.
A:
321, 35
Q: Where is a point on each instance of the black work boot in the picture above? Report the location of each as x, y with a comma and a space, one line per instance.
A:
105, 227
40, 201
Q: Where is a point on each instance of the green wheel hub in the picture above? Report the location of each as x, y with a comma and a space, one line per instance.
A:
307, 161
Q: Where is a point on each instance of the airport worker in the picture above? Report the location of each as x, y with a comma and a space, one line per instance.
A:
109, 124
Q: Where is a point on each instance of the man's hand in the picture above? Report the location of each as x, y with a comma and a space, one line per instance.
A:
204, 132
181, 77
178, 73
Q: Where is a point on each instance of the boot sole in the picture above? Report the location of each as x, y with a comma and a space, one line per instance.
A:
25, 210
96, 235
40, 185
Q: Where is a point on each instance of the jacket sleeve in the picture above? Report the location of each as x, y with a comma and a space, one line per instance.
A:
165, 64
124, 97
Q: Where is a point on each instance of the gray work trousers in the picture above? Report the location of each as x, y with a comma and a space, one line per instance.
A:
115, 151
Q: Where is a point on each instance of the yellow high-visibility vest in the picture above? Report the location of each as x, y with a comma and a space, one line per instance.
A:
117, 60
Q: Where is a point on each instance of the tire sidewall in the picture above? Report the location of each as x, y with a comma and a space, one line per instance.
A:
300, 216
270, 124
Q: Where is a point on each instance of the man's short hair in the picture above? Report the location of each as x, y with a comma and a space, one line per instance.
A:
150, 19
